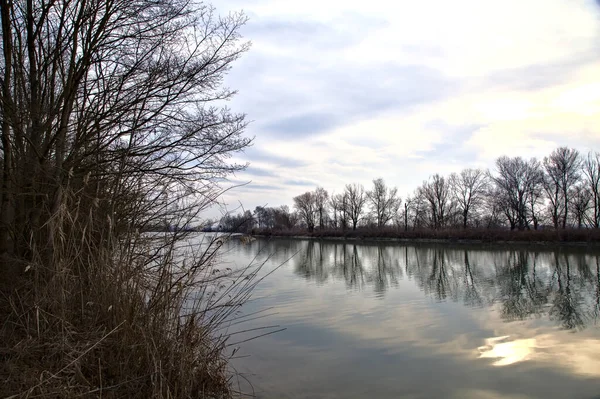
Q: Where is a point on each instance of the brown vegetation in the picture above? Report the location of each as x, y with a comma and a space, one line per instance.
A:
127, 320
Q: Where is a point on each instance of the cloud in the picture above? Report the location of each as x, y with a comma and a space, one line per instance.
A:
302, 183
300, 125
270, 158
541, 76
346, 91
256, 171
261, 187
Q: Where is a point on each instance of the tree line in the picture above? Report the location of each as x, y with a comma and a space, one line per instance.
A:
560, 191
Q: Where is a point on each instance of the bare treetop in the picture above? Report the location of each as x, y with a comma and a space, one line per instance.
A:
384, 202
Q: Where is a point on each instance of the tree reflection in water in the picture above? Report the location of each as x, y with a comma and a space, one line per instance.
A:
567, 299
561, 284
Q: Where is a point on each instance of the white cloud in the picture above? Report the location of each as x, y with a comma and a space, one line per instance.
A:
405, 81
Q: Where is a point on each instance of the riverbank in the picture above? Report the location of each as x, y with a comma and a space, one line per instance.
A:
113, 324
473, 236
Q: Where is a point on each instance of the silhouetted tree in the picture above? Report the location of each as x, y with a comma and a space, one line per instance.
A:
515, 182
535, 198
562, 172
307, 210
240, 223
264, 217
356, 200
284, 218
580, 197
436, 191
469, 189
384, 202
321, 197
591, 175
407, 205
339, 203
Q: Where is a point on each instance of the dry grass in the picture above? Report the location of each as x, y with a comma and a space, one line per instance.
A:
118, 318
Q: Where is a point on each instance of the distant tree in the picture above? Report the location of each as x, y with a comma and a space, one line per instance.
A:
536, 197
515, 181
339, 204
494, 207
384, 202
555, 200
264, 217
436, 192
469, 189
321, 197
419, 209
240, 223
591, 176
580, 197
356, 200
407, 206
335, 208
562, 173
283, 218
500, 201
208, 222
306, 207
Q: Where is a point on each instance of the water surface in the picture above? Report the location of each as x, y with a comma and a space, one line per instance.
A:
388, 320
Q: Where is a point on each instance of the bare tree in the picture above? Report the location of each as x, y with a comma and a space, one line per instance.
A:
407, 206
264, 217
284, 218
580, 197
494, 207
562, 173
501, 202
469, 189
339, 205
113, 98
514, 181
356, 200
436, 192
515, 184
536, 198
419, 208
321, 197
384, 202
240, 223
307, 209
334, 205
591, 174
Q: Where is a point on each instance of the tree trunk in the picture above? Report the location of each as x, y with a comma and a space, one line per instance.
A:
6, 195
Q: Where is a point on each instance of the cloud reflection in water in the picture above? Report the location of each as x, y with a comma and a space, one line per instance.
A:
508, 352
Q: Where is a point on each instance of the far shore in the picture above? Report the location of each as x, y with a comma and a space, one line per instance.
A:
428, 240
571, 237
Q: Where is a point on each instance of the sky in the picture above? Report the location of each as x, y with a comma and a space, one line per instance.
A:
342, 92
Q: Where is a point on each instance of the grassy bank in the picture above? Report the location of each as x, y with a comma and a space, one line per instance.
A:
587, 236
123, 319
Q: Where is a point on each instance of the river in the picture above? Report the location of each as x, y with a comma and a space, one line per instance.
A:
391, 320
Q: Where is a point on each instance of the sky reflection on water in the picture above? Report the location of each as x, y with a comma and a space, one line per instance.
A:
421, 321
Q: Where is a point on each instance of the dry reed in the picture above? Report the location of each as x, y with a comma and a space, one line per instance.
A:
126, 317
